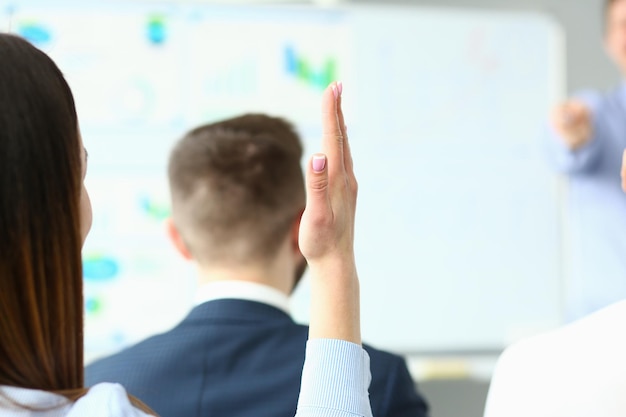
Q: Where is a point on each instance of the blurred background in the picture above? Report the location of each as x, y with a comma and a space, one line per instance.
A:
464, 242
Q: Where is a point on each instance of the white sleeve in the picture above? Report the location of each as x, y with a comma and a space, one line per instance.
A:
105, 400
512, 385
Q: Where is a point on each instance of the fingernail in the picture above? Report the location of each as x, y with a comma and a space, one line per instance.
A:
340, 87
319, 163
335, 91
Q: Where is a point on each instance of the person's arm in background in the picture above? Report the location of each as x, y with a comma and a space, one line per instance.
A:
336, 375
574, 139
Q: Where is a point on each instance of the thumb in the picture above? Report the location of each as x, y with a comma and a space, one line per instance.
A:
318, 199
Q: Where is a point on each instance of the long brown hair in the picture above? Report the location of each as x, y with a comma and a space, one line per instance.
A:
41, 291
41, 307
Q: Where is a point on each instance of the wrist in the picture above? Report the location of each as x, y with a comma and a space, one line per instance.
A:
335, 306
334, 266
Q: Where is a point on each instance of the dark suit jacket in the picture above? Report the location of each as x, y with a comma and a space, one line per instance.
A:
237, 358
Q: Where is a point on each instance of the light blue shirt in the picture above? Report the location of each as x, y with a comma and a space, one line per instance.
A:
335, 382
596, 206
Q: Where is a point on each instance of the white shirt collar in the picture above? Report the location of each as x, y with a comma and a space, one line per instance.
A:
242, 290
44, 400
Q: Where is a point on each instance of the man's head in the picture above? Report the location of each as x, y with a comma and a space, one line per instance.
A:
238, 191
615, 37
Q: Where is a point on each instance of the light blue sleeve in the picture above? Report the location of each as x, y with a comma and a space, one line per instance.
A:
335, 380
581, 160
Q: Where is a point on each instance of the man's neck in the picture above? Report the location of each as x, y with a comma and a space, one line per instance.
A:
245, 291
271, 277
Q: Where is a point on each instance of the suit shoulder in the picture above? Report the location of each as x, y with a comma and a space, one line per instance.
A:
381, 354
137, 350
147, 355
382, 360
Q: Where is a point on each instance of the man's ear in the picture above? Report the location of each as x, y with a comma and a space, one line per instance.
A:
177, 240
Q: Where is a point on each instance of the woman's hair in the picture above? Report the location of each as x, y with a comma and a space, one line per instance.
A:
41, 280
41, 304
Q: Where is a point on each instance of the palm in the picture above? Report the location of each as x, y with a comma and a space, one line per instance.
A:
327, 224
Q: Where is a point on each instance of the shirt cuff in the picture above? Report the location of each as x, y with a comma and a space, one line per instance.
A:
335, 380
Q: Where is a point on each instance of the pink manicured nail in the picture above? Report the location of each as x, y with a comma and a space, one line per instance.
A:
340, 87
335, 91
319, 163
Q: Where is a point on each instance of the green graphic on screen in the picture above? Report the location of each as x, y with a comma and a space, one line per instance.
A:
153, 209
94, 306
304, 70
156, 30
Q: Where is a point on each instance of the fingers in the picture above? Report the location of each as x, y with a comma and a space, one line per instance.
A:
317, 195
574, 112
332, 135
572, 121
342, 125
577, 106
624, 171
347, 152
567, 116
570, 111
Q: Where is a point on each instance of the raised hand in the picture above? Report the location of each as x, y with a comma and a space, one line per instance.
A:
573, 122
327, 229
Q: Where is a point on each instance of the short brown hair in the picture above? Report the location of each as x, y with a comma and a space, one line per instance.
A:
237, 187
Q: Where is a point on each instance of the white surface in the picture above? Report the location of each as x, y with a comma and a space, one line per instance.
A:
457, 234
102, 400
458, 231
576, 371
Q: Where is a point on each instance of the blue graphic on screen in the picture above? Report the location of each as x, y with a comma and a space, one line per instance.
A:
156, 30
100, 268
35, 33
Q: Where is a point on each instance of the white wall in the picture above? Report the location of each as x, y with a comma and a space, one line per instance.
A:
582, 21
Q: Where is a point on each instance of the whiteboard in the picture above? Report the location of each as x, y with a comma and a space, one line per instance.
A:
458, 242
458, 228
